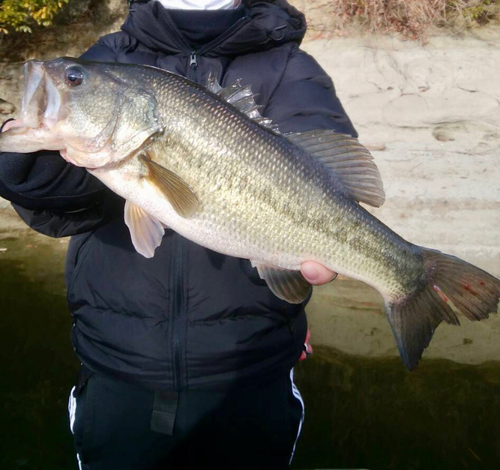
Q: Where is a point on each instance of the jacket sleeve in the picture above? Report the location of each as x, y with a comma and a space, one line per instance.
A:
305, 99
51, 195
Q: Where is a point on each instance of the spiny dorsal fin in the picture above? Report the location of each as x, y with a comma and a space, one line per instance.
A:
145, 230
350, 161
286, 284
213, 84
178, 193
240, 97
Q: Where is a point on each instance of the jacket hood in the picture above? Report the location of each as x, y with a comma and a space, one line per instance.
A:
263, 26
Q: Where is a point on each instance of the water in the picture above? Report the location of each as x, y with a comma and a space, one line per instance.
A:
373, 414
360, 412
37, 361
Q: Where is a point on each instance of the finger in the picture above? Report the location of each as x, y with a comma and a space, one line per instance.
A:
316, 273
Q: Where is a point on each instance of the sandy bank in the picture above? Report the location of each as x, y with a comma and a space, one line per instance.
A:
435, 110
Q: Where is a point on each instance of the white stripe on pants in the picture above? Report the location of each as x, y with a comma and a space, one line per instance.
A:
72, 415
298, 396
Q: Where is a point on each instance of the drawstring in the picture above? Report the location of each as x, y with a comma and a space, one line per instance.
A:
280, 30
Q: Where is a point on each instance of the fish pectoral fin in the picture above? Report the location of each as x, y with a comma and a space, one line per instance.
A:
284, 283
146, 231
176, 190
351, 162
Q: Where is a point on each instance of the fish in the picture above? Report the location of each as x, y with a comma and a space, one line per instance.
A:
203, 161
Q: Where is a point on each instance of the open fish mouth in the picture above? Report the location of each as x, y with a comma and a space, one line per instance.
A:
40, 113
41, 100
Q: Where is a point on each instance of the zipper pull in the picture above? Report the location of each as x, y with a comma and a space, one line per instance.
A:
192, 62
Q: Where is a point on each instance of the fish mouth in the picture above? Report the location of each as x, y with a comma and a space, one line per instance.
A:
40, 112
41, 101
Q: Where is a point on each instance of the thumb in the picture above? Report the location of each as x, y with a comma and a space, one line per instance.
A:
316, 274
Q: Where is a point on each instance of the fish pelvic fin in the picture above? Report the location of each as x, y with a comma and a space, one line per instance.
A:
350, 161
145, 230
286, 284
449, 285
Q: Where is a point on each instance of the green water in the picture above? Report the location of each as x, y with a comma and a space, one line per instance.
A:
37, 361
360, 413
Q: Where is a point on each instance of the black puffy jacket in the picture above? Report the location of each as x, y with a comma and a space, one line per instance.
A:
188, 318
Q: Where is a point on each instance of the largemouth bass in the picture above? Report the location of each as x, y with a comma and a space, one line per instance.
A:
205, 163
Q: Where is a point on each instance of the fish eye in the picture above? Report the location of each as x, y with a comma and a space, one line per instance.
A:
74, 76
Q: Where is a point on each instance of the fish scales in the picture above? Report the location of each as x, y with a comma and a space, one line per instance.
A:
264, 192
183, 156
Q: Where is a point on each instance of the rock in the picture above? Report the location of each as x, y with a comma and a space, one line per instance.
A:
454, 104
375, 146
73, 11
441, 135
468, 133
6, 107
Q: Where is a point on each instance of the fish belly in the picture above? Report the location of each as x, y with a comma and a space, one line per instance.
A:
236, 222
205, 229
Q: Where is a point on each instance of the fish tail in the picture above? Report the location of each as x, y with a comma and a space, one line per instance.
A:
448, 284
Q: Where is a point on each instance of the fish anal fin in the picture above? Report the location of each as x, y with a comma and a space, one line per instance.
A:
286, 284
351, 162
145, 230
175, 189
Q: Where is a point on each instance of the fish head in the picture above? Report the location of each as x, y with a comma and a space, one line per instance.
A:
95, 114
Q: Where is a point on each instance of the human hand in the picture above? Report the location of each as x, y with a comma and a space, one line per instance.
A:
316, 274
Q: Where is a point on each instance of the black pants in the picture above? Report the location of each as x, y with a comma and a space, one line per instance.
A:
253, 429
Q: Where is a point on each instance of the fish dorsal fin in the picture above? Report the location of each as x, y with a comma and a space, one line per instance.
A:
242, 98
213, 84
351, 162
176, 190
145, 230
286, 284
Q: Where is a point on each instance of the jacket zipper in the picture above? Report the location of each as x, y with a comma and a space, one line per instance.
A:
192, 60
193, 63
183, 45
212, 45
178, 311
178, 315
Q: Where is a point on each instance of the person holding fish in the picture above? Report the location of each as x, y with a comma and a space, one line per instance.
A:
205, 195
186, 356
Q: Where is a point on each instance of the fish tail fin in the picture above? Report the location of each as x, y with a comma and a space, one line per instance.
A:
449, 284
